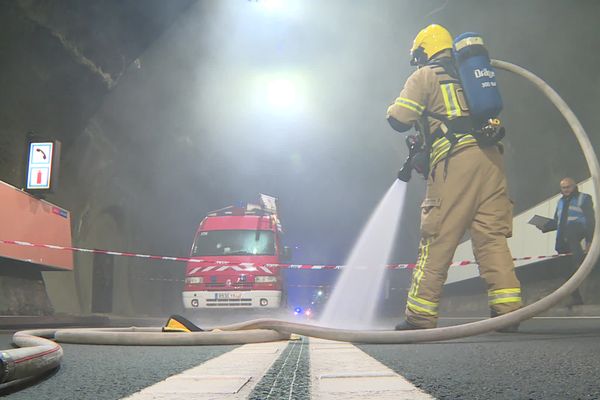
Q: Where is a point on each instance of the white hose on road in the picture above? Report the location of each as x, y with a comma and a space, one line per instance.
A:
14, 365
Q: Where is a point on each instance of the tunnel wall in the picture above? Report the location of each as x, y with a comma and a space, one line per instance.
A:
469, 297
112, 218
59, 61
22, 289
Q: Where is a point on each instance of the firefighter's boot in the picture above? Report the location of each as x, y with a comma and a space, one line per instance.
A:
509, 329
406, 326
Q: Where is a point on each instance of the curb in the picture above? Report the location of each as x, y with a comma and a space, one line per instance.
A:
15, 322
8, 322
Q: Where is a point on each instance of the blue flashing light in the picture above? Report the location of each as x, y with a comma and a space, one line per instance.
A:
298, 310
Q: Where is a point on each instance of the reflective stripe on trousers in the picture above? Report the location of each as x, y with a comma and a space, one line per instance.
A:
500, 296
423, 306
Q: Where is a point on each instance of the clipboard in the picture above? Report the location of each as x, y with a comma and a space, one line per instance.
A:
538, 221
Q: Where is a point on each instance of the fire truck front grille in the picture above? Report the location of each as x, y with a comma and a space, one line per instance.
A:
229, 302
237, 285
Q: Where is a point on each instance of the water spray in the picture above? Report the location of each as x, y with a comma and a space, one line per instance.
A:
44, 355
354, 299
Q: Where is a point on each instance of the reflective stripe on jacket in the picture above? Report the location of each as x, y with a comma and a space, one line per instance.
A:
431, 88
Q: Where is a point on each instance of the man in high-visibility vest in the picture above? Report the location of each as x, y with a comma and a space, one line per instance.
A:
574, 221
466, 185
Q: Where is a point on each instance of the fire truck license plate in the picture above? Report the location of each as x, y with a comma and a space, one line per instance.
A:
228, 296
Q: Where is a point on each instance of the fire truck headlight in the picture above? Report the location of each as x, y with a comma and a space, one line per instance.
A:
194, 280
265, 279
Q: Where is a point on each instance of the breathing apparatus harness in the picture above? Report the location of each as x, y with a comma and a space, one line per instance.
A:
487, 133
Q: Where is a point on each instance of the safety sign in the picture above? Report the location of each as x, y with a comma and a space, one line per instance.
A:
39, 169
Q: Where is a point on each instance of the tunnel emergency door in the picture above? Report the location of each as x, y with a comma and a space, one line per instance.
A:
102, 283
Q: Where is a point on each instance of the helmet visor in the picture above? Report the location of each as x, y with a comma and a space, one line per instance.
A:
418, 57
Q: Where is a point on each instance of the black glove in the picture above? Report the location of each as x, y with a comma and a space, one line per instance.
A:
420, 163
418, 158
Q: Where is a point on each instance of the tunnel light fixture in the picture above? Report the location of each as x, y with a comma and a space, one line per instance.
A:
286, 8
282, 93
271, 5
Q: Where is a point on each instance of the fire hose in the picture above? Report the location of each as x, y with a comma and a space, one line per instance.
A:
38, 354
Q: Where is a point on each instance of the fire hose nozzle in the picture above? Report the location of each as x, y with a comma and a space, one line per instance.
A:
406, 171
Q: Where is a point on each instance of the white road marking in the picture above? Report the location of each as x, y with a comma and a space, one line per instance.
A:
339, 370
342, 371
579, 317
230, 376
482, 318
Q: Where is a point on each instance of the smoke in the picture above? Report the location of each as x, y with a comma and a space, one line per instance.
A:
195, 131
437, 10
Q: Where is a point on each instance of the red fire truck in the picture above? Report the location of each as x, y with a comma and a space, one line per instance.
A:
235, 258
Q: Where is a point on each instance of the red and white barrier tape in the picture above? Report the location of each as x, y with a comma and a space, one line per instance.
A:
224, 263
404, 266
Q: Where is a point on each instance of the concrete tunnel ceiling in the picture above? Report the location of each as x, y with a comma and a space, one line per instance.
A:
231, 98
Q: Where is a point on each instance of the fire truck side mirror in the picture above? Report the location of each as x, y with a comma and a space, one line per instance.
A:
286, 254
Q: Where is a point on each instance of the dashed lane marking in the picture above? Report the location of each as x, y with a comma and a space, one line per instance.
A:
342, 371
482, 318
574, 317
230, 376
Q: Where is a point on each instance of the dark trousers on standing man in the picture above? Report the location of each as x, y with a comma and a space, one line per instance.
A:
573, 233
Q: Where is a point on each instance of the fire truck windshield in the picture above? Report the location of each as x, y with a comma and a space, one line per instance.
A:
234, 242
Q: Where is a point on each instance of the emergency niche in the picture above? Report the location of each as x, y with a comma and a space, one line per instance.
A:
478, 77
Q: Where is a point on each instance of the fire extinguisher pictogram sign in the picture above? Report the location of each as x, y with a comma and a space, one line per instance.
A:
41, 168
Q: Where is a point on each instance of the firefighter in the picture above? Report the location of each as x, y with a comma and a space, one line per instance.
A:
466, 185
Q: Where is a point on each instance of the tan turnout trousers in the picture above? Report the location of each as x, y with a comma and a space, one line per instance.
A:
473, 197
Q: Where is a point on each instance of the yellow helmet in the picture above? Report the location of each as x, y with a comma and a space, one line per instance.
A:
428, 43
